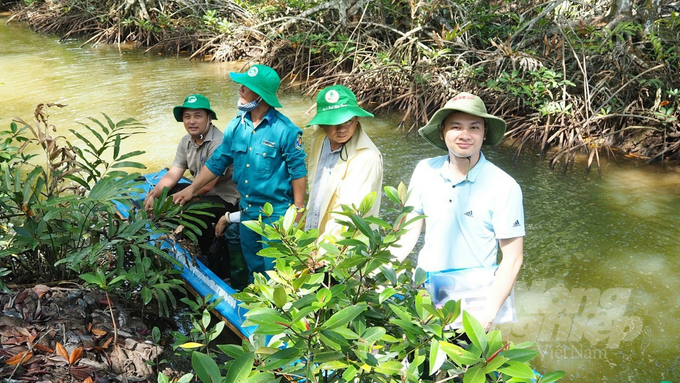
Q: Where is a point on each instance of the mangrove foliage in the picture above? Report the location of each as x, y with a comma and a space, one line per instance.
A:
570, 77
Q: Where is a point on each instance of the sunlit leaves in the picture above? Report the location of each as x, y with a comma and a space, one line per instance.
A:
344, 309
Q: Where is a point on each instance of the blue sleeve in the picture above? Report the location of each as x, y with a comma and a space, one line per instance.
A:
221, 157
294, 152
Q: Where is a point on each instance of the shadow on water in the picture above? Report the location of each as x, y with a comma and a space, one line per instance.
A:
601, 265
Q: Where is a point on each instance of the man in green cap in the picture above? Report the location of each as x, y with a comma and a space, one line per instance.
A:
344, 164
471, 208
195, 148
266, 150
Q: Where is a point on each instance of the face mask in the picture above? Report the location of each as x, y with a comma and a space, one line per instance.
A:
248, 106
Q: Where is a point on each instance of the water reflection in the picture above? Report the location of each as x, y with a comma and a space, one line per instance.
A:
601, 253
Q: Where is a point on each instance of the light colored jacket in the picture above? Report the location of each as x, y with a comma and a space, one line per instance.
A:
350, 180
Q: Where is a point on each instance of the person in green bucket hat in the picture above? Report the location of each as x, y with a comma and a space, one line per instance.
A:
267, 153
194, 149
344, 164
471, 207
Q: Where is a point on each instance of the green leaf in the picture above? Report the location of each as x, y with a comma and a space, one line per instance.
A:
329, 356
231, 350
408, 326
263, 377
401, 313
265, 315
333, 365
362, 225
128, 164
146, 295
518, 370
420, 277
373, 334
289, 219
280, 296
391, 367
94, 279
349, 374
474, 375
344, 316
458, 354
324, 296
206, 368
186, 378
346, 333
333, 340
423, 304
494, 364
367, 202
240, 369
435, 358
389, 274
302, 313
205, 319
520, 354
268, 209
130, 155
254, 226
551, 377
474, 331
162, 378
116, 148
385, 294
392, 193
281, 358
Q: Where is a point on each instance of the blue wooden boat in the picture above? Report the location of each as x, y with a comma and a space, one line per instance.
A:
198, 277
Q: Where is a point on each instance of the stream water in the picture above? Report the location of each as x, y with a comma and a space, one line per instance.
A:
598, 292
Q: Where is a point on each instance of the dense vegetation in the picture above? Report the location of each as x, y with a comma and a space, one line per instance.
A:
341, 312
346, 312
570, 77
60, 215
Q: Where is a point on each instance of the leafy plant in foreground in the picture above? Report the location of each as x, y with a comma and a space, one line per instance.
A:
60, 207
345, 312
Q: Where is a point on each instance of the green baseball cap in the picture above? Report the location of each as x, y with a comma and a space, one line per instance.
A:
194, 101
336, 104
262, 80
466, 103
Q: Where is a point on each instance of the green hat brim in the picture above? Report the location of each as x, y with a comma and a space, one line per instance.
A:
495, 128
247, 81
179, 109
338, 116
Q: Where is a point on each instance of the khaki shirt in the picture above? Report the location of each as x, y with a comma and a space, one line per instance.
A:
192, 157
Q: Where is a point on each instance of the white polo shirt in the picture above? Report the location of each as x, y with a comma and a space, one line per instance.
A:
464, 219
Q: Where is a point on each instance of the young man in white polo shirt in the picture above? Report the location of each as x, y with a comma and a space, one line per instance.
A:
472, 207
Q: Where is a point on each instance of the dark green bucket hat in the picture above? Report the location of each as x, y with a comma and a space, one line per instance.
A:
335, 105
194, 101
262, 80
466, 103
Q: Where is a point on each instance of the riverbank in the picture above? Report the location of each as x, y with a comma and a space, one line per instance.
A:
565, 86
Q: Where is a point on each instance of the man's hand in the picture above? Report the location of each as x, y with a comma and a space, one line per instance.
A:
183, 196
486, 321
148, 202
221, 226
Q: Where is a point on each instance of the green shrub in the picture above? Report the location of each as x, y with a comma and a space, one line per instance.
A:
345, 312
59, 212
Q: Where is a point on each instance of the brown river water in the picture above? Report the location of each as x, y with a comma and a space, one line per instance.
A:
599, 290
